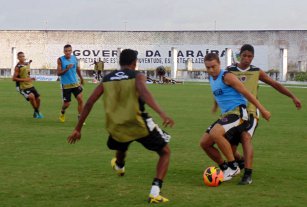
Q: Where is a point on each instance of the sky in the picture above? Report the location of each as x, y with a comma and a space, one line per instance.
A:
153, 15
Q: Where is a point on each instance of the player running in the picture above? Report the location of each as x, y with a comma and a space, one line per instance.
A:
229, 95
125, 94
67, 69
24, 83
249, 75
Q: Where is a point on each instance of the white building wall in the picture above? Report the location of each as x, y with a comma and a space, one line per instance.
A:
43, 47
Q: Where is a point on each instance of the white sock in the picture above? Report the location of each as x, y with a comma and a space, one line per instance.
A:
155, 191
118, 168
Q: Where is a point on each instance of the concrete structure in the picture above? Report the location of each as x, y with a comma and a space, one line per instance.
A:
155, 48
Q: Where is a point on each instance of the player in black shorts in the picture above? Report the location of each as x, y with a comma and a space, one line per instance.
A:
125, 94
24, 84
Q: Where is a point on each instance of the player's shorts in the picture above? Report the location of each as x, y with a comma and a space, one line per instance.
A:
155, 141
66, 93
249, 126
28, 91
232, 124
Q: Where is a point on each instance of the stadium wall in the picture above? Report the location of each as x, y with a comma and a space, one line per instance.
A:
43, 47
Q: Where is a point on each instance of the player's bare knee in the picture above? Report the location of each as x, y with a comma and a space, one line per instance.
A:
66, 104
246, 138
206, 141
31, 97
80, 100
165, 151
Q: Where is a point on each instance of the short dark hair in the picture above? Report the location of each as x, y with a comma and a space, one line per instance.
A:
247, 47
19, 53
212, 56
127, 57
67, 46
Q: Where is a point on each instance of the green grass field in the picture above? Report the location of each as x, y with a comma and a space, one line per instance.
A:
39, 168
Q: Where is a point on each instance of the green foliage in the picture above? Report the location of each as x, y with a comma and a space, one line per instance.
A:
301, 76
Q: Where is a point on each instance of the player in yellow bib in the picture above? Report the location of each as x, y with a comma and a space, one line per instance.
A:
249, 75
99, 67
25, 84
124, 95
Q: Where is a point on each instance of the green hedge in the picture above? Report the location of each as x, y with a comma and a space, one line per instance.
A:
301, 76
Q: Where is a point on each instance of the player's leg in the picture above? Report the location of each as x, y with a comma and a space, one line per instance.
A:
217, 133
79, 96
99, 75
157, 141
118, 163
207, 144
32, 100
38, 103
248, 150
223, 134
163, 163
66, 95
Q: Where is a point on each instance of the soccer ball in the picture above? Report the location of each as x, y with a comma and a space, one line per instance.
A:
213, 176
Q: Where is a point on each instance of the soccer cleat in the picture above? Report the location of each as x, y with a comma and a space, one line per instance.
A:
157, 199
35, 115
62, 118
119, 171
246, 180
39, 116
229, 173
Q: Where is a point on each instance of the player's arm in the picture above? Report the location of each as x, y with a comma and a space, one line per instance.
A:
60, 70
231, 80
150, 101
280, 88
79, 74
17, 79
76, 134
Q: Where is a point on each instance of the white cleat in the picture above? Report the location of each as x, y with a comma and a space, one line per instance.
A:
230, 173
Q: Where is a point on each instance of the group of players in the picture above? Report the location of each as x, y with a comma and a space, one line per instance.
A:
125, 94
67, 69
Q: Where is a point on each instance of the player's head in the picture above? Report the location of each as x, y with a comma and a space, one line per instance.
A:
128, 58
213, 64
247, 55
67, 50
21, 57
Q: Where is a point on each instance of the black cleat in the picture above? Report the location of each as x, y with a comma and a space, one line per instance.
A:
246, 180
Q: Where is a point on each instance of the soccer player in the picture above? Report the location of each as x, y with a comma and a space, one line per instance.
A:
125, 94
25, 84
99, 66
68, 69
229, 95
249, 75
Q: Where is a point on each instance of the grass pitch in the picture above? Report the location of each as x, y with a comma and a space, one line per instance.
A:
39, 168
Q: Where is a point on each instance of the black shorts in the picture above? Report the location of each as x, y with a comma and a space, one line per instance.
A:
233, 124
66, 93
155, 141
28, 91
249, 126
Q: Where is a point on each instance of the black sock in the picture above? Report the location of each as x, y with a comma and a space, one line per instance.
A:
248, 172
120, 165
63, 111
157, 182
223, 166
36, 110
241, 163
233, 165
